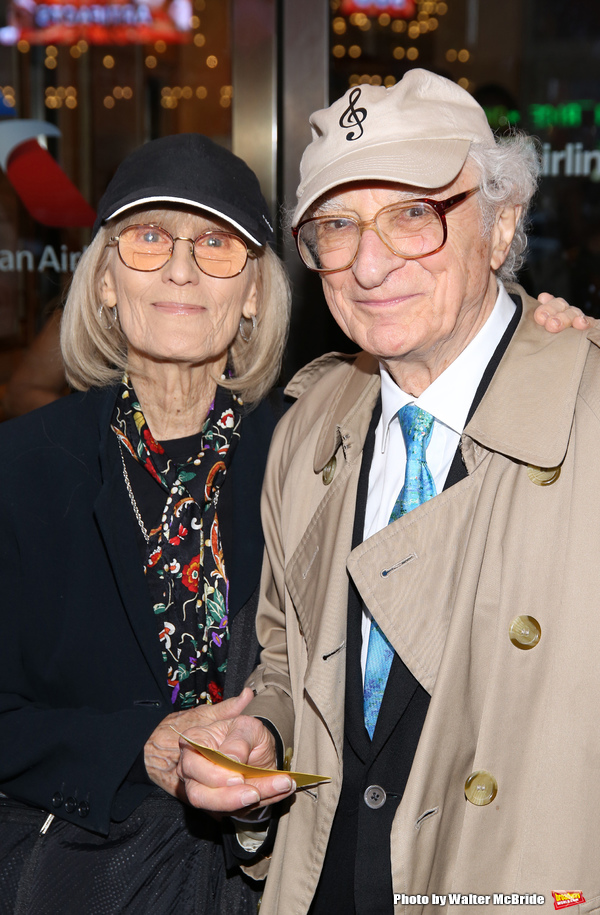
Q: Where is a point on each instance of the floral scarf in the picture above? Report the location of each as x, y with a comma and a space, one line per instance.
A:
184, 564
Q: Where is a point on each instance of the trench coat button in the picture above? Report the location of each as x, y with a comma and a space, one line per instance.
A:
329, 471
83, 809
481, 788
524, 632
287, 759
70, 804
375, 797
57, 799
543, 476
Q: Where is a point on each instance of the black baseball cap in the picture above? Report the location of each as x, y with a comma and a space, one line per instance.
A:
190, 170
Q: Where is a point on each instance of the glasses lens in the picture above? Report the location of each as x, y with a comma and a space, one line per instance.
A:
328, 243
145, 247
412, 230
220, 254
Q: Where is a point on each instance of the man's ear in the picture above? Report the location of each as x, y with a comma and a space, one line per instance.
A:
503, 233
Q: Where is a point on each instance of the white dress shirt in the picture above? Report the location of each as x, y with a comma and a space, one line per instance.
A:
449, 400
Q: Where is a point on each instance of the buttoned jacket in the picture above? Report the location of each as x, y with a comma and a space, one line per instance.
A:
445, 583
82, 679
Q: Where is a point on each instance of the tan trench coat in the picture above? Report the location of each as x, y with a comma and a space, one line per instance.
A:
459, 569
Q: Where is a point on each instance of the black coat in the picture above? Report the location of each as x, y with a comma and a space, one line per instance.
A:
82, 679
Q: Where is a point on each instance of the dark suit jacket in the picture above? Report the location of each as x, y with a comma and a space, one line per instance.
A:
82, 679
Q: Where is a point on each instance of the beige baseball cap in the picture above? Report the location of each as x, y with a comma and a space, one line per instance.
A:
417, 132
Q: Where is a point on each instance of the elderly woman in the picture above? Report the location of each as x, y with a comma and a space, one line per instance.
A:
131, 542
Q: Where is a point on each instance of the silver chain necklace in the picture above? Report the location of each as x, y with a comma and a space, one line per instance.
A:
134, 504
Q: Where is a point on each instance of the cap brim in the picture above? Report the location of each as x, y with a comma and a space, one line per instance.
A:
418, 163
161, 198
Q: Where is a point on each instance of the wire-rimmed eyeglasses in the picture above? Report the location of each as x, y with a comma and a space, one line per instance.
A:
411, 229
149, 247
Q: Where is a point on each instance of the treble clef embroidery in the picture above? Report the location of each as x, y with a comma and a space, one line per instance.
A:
353, 117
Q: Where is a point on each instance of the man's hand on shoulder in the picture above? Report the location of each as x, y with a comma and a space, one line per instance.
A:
217, 789
555, 315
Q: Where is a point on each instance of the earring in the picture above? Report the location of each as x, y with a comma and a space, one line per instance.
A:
114, 317
245, 338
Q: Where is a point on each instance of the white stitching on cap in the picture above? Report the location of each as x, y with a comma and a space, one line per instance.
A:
194, 203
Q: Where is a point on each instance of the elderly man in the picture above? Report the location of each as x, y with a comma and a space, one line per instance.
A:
429, 614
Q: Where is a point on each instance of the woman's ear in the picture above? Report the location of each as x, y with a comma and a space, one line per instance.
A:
249, 308
108, 293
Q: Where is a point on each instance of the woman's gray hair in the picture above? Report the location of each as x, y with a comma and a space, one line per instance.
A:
94, 347
508, 176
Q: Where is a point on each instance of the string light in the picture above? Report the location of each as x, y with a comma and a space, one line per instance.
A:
8, 94
56, 96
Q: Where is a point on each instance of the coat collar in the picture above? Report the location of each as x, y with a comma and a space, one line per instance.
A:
544, 389
527, 411
348, 417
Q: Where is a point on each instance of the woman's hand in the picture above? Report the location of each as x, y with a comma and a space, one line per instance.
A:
219, 790
162, 751
556, 315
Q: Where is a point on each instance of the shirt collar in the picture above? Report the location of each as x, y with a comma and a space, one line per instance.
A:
450, 396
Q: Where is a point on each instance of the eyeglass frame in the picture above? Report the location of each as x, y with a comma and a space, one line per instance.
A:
115, 239
441, 207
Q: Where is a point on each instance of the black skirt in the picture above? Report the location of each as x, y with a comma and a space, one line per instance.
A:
164, 858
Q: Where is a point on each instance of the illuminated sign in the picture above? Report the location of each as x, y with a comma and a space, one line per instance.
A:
401, 9
544, 116
97, 21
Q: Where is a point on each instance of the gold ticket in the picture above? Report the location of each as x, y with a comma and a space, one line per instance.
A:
302, 779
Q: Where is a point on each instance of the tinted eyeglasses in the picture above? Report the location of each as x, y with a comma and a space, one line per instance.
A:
149, 247
411, 229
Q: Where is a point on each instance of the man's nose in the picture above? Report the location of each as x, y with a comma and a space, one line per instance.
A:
374, 260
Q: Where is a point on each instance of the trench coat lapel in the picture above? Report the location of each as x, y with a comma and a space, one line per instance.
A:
398, 571
316, 576
116, 522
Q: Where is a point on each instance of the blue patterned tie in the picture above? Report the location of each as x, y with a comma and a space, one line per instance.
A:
419, 486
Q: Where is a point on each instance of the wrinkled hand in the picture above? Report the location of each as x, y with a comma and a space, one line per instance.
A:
556, 315
161, 751
218, 790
